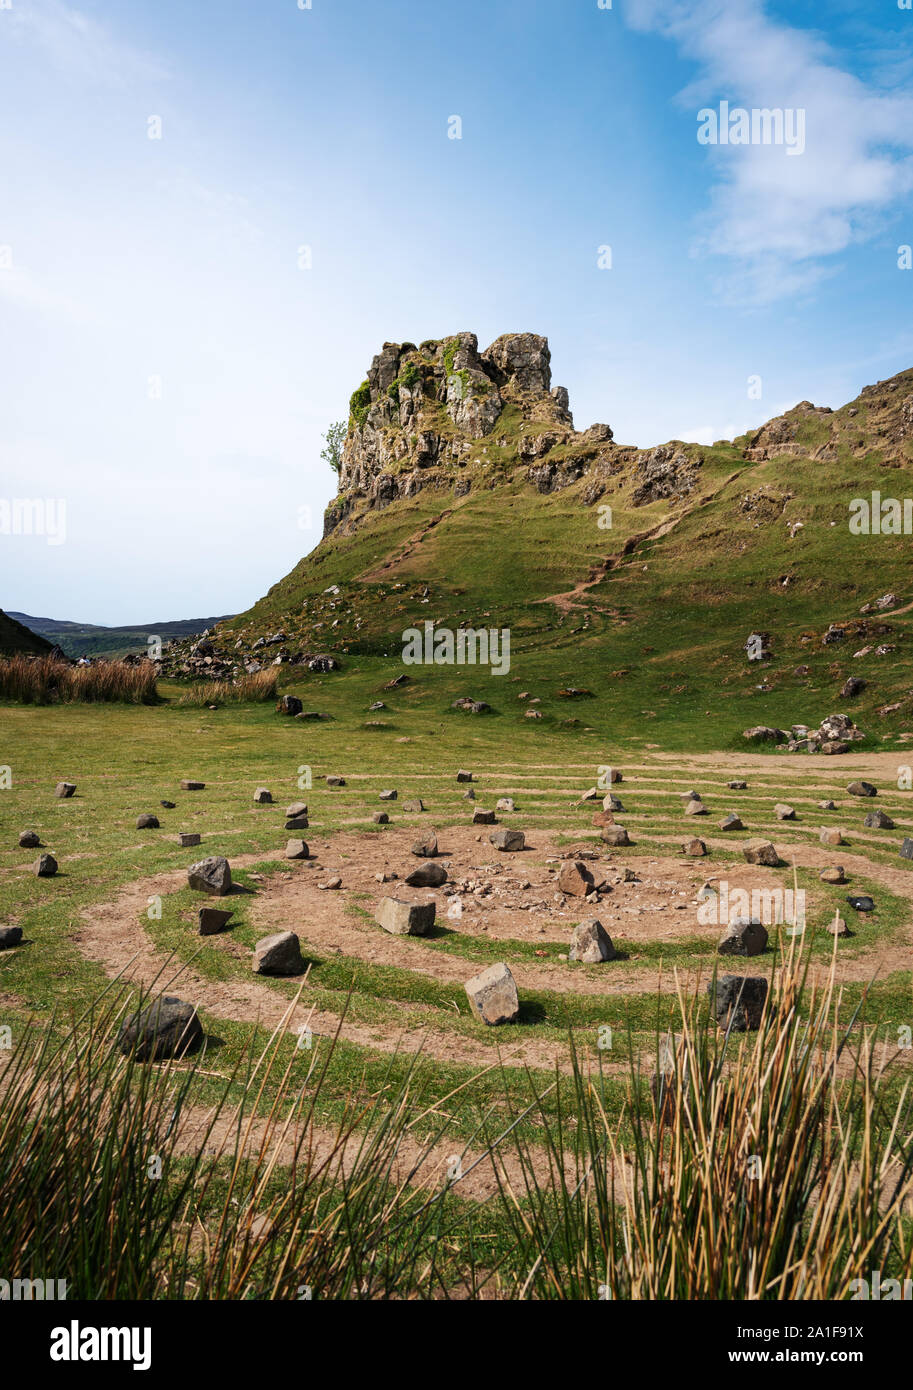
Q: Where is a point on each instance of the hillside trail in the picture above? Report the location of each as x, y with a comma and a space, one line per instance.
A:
571, 598
382, 571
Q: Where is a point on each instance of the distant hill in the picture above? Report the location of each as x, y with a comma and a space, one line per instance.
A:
14, 637
90, 639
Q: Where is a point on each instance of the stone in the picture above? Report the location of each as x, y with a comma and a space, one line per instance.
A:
296, 849
463, 776
279, 954
297, 823
696, 848
575, 879
168, 1027
426, 847
188, 838
761, 852
212, 920
10, 936
830, 835
853, 686
762, 733
833, 874
414, 807
493, 996
731, 822
332, 883
504, 803
211, 875
289, 704
480, 817
614, 835
689, 796
745, 936
263, 796
784, 812
470, 795
403, 918
737, 786
168, 805
380, 818
591, 943
737, 1001
906, 848
827, 805
861, 902
29, 839
611, 802
862, 789
147, 822
877, 820
838, 926
64, 789
695, 808
45, 866
297, 808
336, 781
389, 795
428, 875
190, 786
508, 841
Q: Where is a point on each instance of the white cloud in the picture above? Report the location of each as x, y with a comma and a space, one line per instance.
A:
777, 215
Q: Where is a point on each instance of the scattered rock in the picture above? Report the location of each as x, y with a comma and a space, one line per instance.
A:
46, 866
508, 841
830, 835
504, 803
429, 875
263, 796
862, 789
737, 1001
493, 996
289, 704
190, 786
212, 875
64, 789
380, 818
168, 805
591, 943
575, 879
761, 852
731, 822
213, 920
414, 807
336, 781
463, 776
784, 812
612, 803
877, 820
297, 808
737, 786
165, 1028
29, 839
426, 847
614, 835
852, 687
906, 849
297, 823
745, 936
10, 936
403, 918
188, 838
296, 849
827, 805
147, 822
279, 954
838, 926
696, 848
833, 874
332, 883
389, 795
480, 817
695, 808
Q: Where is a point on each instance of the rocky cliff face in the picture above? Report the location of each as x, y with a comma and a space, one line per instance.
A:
424, 411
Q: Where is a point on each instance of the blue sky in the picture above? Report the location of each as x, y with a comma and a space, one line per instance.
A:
177, 260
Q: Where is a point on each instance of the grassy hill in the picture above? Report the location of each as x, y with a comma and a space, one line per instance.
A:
650, 613
15, 637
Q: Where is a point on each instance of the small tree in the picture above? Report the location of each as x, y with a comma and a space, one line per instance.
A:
335, 437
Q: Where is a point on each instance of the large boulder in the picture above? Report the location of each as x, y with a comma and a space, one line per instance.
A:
279, 954
591, 943
212, 875
575, 879
403, 918
508, 841
615, 835
737, 1001
428, 875
493, 996
745, 936
165, 1028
